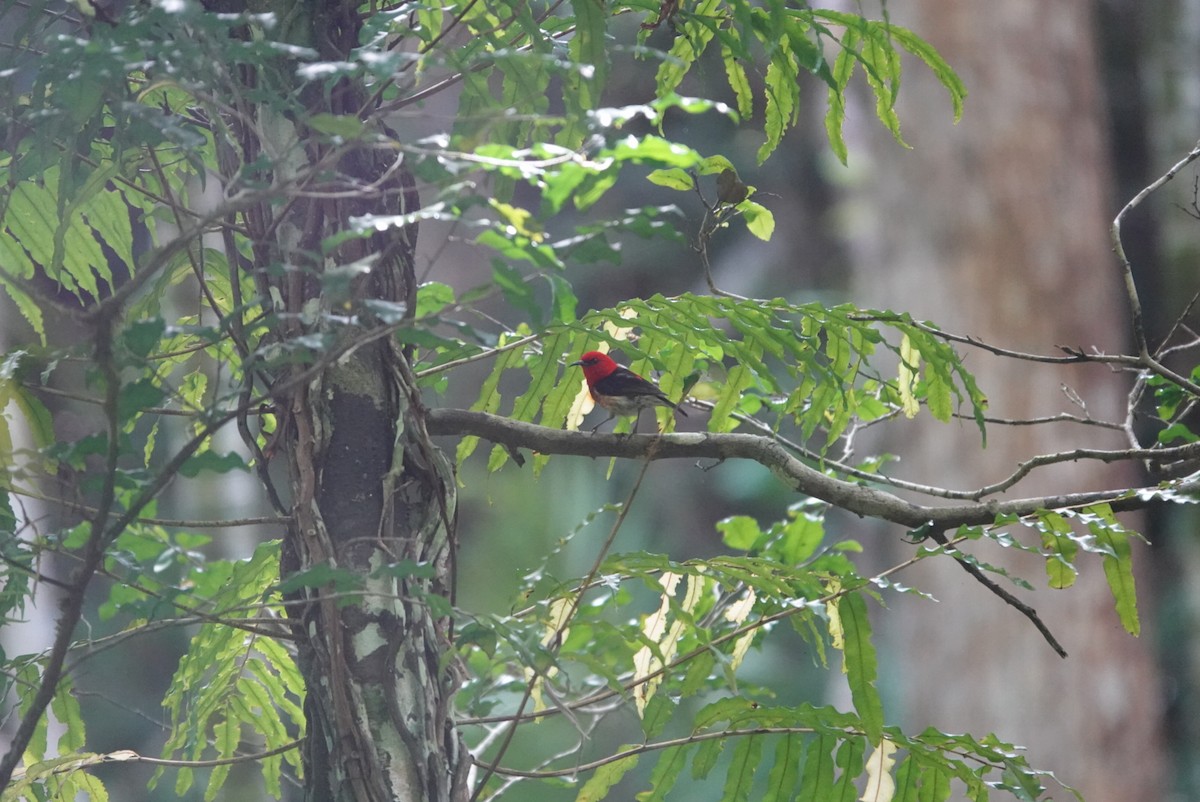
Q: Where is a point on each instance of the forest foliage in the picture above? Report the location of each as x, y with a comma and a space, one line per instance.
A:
122, 208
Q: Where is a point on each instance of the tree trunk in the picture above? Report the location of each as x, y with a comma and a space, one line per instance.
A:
997, 228
372, 500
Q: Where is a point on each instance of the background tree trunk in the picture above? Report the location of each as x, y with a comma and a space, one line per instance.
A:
997, 228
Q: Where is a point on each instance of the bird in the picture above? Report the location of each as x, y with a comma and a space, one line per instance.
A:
619, 390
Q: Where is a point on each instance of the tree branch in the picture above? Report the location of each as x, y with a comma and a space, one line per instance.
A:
858, 499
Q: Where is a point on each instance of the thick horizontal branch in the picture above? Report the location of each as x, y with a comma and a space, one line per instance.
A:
858, 499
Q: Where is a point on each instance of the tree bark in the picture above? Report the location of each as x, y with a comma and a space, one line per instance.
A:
372, 501
997, 228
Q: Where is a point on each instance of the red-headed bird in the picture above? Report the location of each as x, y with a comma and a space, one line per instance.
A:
619, 390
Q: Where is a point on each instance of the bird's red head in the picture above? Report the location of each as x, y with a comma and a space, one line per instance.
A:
596, 366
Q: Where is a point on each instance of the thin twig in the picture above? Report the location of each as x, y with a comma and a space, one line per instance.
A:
554, 642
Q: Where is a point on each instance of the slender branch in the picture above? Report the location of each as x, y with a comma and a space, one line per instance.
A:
650, 747
488, 354
554, 641
181, 523
1135, 304
971, 568
129, 756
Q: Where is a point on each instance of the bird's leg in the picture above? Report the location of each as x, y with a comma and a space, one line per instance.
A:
601, 423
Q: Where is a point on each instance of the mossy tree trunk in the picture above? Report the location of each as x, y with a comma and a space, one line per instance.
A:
370, 496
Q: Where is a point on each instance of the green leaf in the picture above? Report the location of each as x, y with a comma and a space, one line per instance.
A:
935, 785
923, 50
666, 771
860, 664
739, 532
433, 297
590, 49
706, 757
564, 302
517, 291
691, 39
1060, 548
659, 710
785, 771
907, 780
212, 461
1118, 568
849, 761
137, 396
25, 304
608, 775
783, 97
345, 126
759, 220
319, 576
817, 779
66, 710
143, 336
739, 780
672, 178
739, 82
37, 416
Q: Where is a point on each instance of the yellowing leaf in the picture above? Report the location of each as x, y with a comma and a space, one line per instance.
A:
654, 628
906, 380
737, 613
836, 634
520, 220
880, 786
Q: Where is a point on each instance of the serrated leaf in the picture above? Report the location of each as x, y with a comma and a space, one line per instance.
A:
608, 775
924, 51
782, 89
657, 714
935, 785
739, 82
666, 772
785, 771
66, 710
1118, 571
817, 779
739, 780
849, 760
706, 757
691, 40
590, 49
860, 663
28, 308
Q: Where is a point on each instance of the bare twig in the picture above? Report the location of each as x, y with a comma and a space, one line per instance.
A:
553, 642
1135, 304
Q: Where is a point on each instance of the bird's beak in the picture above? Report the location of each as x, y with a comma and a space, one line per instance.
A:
576, 362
